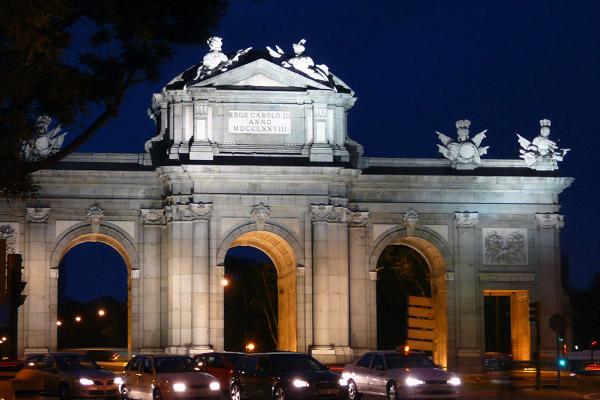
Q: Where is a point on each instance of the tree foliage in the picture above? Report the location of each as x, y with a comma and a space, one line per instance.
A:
63, 58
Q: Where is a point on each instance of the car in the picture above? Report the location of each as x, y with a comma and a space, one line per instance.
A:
218, 364
68, 375
166, 377
399, 375
282, 375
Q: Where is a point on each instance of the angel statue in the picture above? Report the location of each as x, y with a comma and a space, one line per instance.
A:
301, 62
44, 143
465, 151
215, 59
541, 150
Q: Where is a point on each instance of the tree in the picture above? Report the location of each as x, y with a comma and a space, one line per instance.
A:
69, 58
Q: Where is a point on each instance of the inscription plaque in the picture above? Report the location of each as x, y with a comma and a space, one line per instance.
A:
260, 122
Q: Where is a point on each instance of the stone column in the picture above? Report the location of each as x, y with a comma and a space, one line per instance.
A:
152, 223
469, 343
330, 284
200, 278
34, 315
176, 127
548, 284
359, 281
179, 273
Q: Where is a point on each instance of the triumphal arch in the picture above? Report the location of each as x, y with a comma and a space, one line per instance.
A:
252, 149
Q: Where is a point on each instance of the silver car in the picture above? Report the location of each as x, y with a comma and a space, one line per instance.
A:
399, 375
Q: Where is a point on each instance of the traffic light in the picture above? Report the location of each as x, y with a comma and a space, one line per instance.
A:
534, 312
562, 363
594, 344
15, 285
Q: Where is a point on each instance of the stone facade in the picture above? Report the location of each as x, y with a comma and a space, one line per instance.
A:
309, 199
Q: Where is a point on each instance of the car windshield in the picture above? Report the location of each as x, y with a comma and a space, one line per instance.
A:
294, 362
232, 358
408, 361
74, 362
174, 364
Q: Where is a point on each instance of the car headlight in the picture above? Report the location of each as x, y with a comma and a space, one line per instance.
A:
299, 383
410, 381
454, 381
179, 387
118, 381
85, 381
343, 381
214, 385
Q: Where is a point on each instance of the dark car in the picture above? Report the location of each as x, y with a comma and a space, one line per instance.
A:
218, 364
282, 375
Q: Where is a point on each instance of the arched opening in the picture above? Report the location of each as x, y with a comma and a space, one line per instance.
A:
274, 273
125, 257
416, 268
92, 298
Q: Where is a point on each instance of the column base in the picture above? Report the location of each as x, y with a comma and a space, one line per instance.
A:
201, 348
202, 151
332, 354
321, 152
177, 350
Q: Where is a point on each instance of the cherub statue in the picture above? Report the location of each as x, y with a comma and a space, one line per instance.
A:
465, 150
541, 149
215, 59
44, 143
301, 62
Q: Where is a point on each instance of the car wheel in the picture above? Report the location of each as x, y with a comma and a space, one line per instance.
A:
235, 392
353, 393
63, 392
124, 393
392, 391
279, 393
156, 395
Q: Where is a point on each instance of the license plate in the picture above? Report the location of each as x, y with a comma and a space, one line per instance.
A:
328, 391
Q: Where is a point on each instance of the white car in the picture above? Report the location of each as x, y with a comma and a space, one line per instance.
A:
398, 375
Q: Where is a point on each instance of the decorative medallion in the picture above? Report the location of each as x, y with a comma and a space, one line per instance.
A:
358, 218
153, 216
260, 213
549, 221
37, 215
505, 246
466, 219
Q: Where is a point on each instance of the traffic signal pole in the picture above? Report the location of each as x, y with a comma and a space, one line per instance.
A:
534, 318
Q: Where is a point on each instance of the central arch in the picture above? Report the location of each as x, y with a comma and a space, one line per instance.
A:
437, 256
282, 255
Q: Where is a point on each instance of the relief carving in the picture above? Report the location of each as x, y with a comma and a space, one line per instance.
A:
466, 219
153, 216
411, 218
504, 246
327, 213
549, 221
37, 215
260, 213
358, 218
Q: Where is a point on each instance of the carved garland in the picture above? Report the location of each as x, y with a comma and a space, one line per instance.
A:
189, 212
328, 213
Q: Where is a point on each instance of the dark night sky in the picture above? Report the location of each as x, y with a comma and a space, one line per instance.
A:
418, 66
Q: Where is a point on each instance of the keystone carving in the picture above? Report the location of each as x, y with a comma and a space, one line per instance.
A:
153, 216
549, 221
260, 213
466, 219
327, 213
411, 218
37, 215
95, 216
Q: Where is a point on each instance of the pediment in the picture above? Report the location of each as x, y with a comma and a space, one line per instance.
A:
261, 73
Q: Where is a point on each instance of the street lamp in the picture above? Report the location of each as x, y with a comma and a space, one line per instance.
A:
58, 323
224, 282
250, 347
78, 319
101, 312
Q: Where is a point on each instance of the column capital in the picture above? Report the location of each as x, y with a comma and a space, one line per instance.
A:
37, 215
260, 213
549, 221
153, 216
466, 219
358, 218
328, 213
189, 212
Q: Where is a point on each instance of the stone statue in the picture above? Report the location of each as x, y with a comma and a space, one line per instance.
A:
44, 143
215, 59
465, 151
541, 150
300, 62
